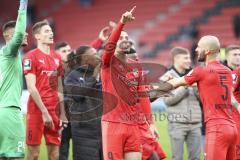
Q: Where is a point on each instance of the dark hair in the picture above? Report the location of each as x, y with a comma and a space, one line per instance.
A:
178, 50
231, 47
75, 58
8, 25
71, 60
37, 26
60, 45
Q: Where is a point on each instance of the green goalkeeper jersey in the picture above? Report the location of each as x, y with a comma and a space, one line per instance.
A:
11, 79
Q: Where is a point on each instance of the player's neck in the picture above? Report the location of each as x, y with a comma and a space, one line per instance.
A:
179, 69
122, 57
211, 58
232, 66
44, 48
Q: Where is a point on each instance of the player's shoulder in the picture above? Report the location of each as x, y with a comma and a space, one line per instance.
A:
55, 54
31, 53
237, 70
225, 68
199, 68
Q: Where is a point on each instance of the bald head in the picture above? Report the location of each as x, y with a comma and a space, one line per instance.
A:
209, 43
208, 48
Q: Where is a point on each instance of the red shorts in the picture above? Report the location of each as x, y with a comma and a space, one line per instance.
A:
220, 142
119, 138
149, 143
36, 128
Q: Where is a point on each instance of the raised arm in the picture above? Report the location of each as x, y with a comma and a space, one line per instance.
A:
11, 48
114, 37
102, 38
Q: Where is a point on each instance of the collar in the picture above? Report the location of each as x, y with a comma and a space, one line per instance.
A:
84, 68
214, 62
180, 74
225, 64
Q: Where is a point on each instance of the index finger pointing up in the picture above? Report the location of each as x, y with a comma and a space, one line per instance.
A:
132, 10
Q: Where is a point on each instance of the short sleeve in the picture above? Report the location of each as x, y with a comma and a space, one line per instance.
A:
29, 64
194, 75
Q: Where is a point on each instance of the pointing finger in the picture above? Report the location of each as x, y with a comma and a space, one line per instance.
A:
132, 10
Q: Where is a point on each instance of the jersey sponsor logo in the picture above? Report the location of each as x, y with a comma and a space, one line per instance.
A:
49, 73
27, 64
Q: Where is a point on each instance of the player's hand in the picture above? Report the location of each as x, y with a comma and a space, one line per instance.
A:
47, 120
166, 77
128, 16
154, 131
63, 120
63, 117
194, 85
112, 24
104, 33
23, 4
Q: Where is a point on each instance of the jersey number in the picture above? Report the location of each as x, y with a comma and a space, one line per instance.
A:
21, 146
225, 96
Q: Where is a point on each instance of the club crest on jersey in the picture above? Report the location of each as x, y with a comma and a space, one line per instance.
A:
135, 72
41, 61
56, 62
27, 64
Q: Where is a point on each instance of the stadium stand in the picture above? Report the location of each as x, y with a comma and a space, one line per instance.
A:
159, 24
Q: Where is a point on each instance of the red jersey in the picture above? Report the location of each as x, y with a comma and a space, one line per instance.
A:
236, 84
215, 86
47, 69
115, 80
144, 100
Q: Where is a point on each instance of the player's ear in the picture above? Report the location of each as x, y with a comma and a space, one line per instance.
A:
207, 51
37, 36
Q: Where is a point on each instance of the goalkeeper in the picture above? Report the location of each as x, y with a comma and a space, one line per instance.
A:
12, 136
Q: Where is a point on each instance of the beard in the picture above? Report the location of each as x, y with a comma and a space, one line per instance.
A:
24, 44
201, 57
